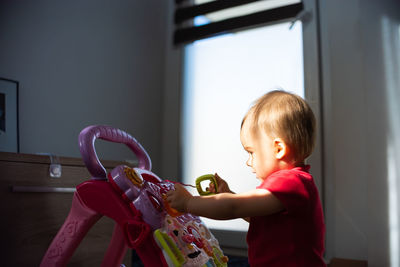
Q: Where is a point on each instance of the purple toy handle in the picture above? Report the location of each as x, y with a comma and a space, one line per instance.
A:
87, 138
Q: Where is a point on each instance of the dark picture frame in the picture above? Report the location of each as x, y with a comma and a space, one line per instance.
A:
9, 125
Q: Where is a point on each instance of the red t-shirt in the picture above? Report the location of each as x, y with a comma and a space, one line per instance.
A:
295, 236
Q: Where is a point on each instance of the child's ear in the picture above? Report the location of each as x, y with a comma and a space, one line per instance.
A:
280, 148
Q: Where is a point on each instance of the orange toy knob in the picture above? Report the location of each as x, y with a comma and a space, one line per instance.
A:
171, 211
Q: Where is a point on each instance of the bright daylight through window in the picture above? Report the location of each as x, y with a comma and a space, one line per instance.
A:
223, 76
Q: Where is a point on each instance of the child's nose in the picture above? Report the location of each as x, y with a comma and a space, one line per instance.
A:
248, 162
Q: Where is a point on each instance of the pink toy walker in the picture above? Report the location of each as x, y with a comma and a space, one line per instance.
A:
133, 198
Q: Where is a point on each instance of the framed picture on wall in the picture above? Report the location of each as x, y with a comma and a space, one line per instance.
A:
9, 136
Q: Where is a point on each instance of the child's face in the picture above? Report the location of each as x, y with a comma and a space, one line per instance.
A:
262, 157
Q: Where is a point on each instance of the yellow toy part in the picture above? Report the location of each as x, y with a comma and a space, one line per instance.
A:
205, 177
135, 178
219, 258
169, 246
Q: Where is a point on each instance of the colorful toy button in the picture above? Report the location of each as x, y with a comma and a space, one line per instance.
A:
133, 176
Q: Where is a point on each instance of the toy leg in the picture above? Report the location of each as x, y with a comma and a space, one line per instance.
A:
116, 249
80, 219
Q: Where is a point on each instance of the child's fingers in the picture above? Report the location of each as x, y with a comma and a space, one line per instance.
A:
169, 196
222, 185
169, 193
219, 179
178, 186
211, 187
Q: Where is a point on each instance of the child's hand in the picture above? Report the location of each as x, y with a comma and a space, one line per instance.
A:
223, 186
178, 198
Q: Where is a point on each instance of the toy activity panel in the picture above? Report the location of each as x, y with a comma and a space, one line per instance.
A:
135, 199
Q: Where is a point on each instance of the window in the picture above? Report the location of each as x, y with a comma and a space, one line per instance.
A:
223, 76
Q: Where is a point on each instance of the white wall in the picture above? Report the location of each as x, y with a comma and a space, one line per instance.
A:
357, 126
80, 63
171, 138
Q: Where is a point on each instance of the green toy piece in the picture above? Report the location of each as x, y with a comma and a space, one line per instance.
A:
169, 247
205, 177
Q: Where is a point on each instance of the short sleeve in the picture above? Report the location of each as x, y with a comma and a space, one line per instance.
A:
291, 188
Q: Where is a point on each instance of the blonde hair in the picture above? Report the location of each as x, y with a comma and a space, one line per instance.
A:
288, 116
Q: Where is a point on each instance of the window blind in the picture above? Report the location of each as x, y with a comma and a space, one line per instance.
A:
237, 15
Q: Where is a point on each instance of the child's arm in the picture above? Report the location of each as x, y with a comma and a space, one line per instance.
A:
225, 206
223, 187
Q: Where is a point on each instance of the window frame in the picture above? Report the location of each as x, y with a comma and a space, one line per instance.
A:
234, 242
